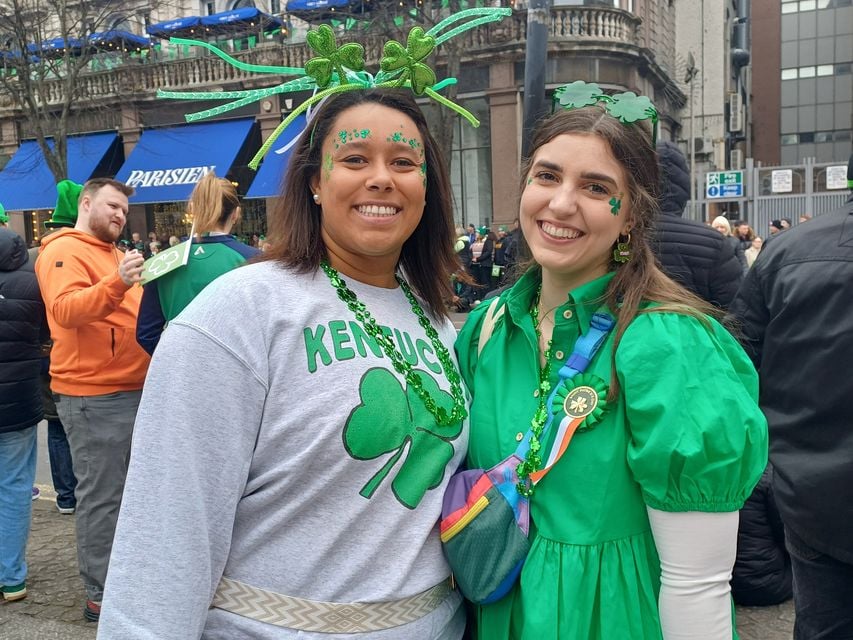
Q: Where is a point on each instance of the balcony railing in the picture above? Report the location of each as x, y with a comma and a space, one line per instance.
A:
140, 79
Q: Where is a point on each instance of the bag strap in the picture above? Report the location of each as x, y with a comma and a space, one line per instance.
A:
584, 351
493, 314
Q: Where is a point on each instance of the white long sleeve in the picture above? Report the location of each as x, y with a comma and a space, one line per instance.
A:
697, 552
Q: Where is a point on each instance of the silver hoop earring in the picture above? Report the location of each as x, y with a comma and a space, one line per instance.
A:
316, 198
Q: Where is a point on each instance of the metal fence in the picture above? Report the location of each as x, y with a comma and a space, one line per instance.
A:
809, 194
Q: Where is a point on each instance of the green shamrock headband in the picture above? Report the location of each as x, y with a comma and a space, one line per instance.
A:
336, 69
626, 107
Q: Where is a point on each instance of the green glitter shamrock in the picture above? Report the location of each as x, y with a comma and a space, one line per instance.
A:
391, 420
418, 46
331, 58
578, 94
629, 107
340, 69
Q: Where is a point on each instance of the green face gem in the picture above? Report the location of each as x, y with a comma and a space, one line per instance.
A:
424, 173
364, 133
530, 181
615, 205
342, 135
327, 166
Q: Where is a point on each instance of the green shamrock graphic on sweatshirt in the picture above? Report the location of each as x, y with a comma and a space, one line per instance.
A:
393, 420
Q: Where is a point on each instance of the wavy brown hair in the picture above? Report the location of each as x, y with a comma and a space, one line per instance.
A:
427, 256
640, 280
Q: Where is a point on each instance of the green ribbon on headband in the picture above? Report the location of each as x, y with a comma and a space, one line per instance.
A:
626, 107
336, 69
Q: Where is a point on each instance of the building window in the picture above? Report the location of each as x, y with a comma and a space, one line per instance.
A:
823, 136
210, 8
824, 70
807, 5
807, 72
275, 7
807, 137
789, 7
789, 74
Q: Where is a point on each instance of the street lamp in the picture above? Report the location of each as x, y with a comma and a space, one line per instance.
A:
689, 75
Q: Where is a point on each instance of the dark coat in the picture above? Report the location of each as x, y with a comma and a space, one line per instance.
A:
689, 252
23, 329
794, 310
762, 573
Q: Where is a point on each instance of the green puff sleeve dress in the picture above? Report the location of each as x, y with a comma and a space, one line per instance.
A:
684, 434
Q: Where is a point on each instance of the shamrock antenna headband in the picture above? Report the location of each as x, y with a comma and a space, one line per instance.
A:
336, 69
626, 107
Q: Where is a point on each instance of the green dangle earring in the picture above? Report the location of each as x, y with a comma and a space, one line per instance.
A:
622, 252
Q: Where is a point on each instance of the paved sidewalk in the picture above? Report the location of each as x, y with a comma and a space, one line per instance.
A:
53, 608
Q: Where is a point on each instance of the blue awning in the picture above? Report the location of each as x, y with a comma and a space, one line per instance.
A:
316, 5
270, 176
55, 46
166, 163
27, 183
174, 27
119, 39
243, 17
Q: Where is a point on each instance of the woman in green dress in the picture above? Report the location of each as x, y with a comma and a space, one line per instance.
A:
633, 530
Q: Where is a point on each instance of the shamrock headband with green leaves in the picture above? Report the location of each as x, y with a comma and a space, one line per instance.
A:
336, 69
626, 107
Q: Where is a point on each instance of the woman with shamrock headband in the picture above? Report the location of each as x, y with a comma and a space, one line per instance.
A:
303, 414
633, 530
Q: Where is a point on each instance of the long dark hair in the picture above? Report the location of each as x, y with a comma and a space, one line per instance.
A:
640, 279
427, 256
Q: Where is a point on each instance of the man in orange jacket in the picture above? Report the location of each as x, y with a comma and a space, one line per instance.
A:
97, 367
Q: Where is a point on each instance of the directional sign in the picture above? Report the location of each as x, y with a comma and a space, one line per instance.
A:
724, 184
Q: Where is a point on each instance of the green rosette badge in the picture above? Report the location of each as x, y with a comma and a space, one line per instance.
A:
584, 396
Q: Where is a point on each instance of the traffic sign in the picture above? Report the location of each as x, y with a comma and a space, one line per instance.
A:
724, 184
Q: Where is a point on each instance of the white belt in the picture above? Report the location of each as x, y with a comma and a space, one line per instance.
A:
325, 617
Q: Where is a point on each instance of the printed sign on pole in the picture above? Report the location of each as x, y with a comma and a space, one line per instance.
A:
836, 177
782, 181
724, 184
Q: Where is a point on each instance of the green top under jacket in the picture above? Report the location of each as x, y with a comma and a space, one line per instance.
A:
684, 434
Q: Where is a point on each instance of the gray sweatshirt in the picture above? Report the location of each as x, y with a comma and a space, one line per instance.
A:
276, 445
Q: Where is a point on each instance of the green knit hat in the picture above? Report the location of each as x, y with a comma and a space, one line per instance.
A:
65, 211
4, 219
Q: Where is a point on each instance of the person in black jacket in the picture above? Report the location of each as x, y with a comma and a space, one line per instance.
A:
794, 309
690, 253
23, 328
762, 572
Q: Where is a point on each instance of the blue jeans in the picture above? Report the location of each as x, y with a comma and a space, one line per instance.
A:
61, 470
17, 474
823, 593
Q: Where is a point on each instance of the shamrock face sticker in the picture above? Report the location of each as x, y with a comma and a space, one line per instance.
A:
418, 46
392, 420
332, 58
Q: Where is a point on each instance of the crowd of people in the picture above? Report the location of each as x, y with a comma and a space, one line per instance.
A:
261, 440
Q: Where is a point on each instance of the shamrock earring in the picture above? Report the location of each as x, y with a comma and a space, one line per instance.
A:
615, 204
622, 252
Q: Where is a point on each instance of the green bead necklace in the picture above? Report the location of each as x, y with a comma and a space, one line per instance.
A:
532, 461
401, 366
